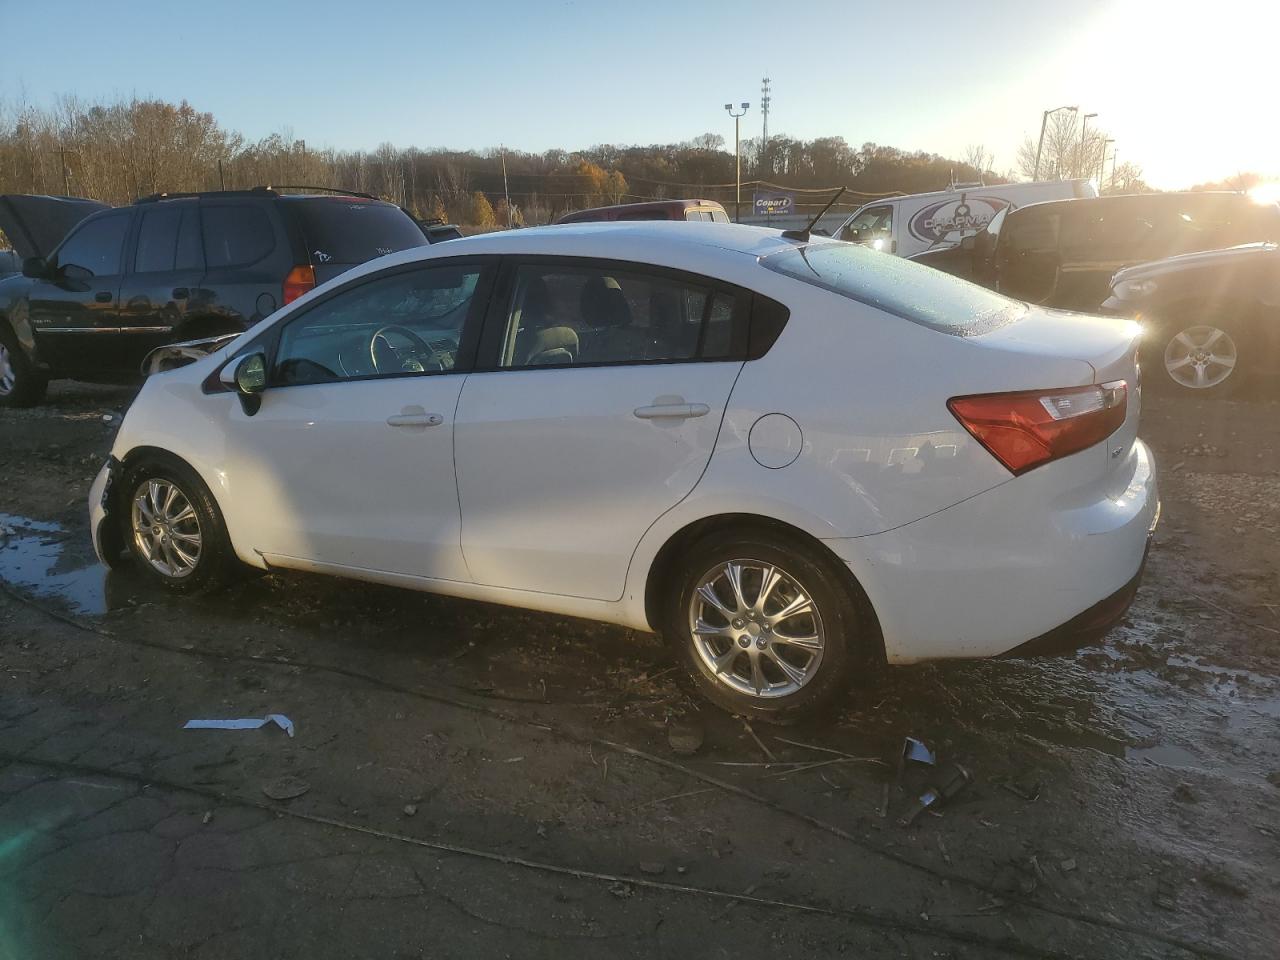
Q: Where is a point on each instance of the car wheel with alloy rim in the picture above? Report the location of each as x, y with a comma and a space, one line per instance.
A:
765, 627
173, 526
20, 384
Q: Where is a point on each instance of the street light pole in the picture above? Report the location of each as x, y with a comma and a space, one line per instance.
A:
737, 157
1102, 164
1080, 151
1044, 122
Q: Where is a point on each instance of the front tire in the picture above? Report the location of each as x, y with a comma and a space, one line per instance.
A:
173, 527
20, 384
764, 627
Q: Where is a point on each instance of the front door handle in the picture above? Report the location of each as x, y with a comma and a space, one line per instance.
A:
415, 416
102, 296
672, 411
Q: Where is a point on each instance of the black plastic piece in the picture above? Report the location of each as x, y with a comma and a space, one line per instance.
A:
768, 319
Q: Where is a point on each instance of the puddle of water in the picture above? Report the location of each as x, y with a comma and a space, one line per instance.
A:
32, 557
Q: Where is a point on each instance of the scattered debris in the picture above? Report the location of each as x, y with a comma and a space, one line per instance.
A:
1028, 790
685, 736
410, 809
916, 751
1067, 865
286, 788
249, 723
955, 779
621, 890
207, 818
652, 868
759, 743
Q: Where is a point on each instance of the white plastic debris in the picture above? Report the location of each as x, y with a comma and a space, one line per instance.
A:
250, 723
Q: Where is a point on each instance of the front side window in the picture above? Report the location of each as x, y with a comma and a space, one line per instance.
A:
909, 290
96, 246
405, 323
564, 315
869, 223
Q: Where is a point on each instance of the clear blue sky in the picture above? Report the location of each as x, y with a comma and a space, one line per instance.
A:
476, 73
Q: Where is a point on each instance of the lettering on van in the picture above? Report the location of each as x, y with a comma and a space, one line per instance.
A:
954, 218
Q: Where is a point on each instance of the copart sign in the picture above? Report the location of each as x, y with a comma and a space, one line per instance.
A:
959, 216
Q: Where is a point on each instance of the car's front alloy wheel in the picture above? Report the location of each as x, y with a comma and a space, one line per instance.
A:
166, 528
173, 526
756, 628
20, 384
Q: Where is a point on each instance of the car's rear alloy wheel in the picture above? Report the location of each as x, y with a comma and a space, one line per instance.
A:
765, 625
166, 528
1200, 357
756, 628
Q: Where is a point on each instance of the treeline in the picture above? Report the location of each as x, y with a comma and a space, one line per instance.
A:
119, 151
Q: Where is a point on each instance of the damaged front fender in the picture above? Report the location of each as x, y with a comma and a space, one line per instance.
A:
174, 355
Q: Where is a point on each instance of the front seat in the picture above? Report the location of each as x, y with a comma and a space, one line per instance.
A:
547, 342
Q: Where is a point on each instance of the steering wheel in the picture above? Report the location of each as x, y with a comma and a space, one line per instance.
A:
420, 347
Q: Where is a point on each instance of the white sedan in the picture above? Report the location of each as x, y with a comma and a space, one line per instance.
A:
793, 458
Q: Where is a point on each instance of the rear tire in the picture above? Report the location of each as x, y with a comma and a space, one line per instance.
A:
173, 527
774, 657
21, 385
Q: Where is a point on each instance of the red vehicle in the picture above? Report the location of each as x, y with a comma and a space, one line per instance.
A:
698, 210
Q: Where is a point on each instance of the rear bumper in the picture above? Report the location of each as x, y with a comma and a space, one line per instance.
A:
1085, 629
1018, 570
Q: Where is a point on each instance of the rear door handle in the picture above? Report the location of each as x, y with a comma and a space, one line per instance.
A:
672, 411
102, 296
415, 417
180, 293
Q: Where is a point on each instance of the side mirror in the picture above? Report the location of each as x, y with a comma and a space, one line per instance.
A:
968, 243
819, 231
36, 268
247, 376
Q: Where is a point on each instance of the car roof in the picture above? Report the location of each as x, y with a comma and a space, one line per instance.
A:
1121, 199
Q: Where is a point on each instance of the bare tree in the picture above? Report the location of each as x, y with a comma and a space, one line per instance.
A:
977, 156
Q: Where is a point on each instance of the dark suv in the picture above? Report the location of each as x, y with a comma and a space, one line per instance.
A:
176, 267
1063, 253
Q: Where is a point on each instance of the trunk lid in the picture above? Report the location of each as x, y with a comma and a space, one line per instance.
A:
35, 225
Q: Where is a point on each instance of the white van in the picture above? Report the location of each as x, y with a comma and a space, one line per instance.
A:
912, 224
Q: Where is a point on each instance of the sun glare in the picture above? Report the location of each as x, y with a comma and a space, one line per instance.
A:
1266, 193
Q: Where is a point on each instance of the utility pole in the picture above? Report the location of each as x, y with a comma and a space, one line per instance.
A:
222, 181
66, 174
1102, 164
737, 156
505, 195
1080, 152
1114, 153
765, 100
1044, 122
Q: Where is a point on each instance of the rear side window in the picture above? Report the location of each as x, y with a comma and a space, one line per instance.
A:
719, 216
917, 293
168, 239
338, 230
236, 235
96, 245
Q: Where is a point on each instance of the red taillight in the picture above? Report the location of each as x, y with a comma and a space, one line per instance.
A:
1024, 430
297, 282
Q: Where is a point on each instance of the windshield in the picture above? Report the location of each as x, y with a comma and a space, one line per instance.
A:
339, 230
909, 290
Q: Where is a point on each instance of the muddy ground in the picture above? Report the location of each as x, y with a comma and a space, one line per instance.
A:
476, 781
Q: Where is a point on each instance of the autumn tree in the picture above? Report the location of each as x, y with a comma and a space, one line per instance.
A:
481, 214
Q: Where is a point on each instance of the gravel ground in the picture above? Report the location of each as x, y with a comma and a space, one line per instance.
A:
467, 780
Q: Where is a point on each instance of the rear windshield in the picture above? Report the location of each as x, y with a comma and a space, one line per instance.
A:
338, 230
909, 290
